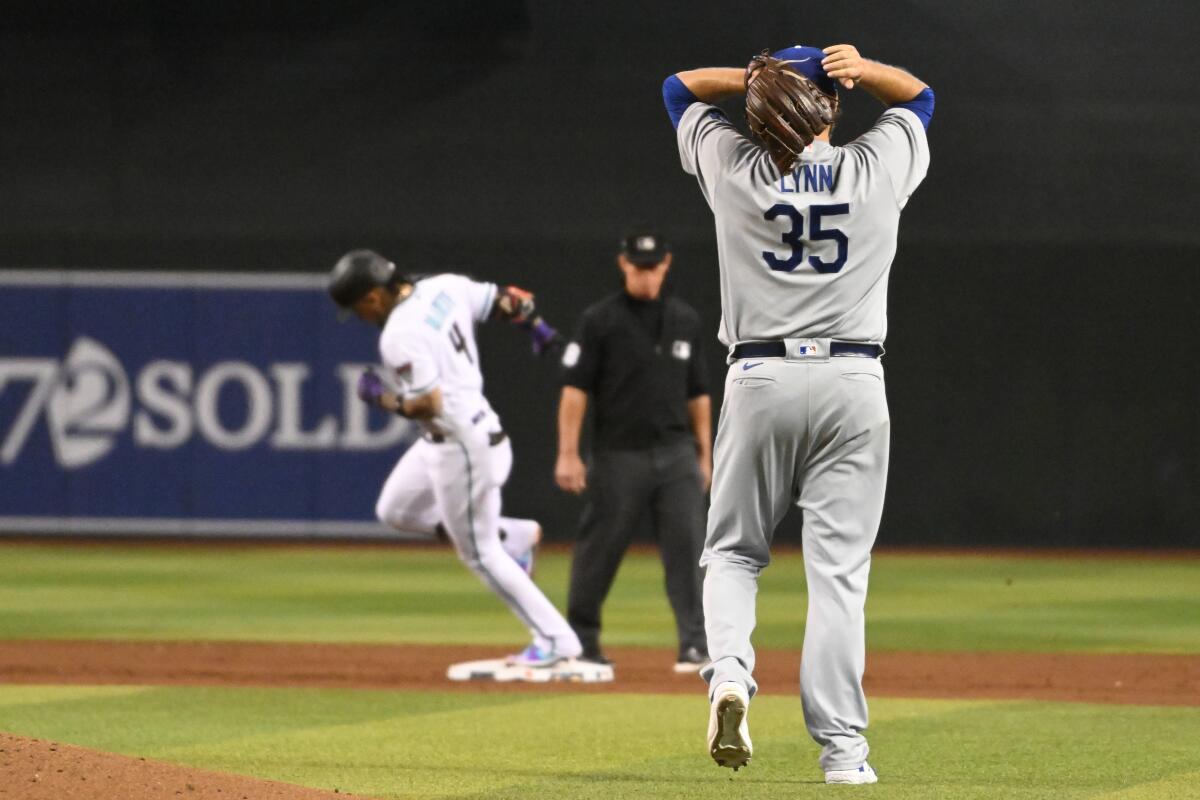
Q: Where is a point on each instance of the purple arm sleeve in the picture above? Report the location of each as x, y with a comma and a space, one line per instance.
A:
921, 105
542, 334
677, 98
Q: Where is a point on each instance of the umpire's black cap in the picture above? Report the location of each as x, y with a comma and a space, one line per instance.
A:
357, 273
644, 246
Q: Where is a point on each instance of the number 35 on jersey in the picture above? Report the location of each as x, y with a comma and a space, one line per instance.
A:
822, 226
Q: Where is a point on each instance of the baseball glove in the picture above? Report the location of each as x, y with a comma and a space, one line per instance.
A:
785, 110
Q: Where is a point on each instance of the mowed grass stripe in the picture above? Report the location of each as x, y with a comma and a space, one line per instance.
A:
1181, 785
183, 717
424, 595
412, 745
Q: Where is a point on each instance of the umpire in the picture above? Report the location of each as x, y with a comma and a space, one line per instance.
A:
638, 355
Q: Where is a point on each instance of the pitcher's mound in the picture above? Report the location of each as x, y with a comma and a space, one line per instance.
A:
34, 769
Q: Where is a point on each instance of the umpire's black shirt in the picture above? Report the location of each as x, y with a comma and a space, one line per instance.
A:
641, 361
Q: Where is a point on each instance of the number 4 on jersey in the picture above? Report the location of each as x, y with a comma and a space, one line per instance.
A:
460, 342
816, 233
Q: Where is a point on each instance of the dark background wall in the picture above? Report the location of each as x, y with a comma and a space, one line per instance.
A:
1042, 365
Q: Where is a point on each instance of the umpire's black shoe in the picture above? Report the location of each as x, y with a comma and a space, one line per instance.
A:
693, 659
595, 657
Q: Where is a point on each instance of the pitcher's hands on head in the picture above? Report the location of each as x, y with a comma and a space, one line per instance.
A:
785, 110
844, 64
887, 84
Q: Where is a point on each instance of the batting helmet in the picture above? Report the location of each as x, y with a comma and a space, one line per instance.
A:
357, 273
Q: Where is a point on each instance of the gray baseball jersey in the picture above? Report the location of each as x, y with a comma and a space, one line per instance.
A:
804, 257
807, 254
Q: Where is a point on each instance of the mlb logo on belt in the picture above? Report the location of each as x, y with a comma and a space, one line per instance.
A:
808, 350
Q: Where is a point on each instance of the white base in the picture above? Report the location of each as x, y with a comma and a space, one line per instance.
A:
499, 670
476, 670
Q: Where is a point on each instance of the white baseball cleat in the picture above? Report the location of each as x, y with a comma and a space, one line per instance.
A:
863, 774
535, 656
728, 734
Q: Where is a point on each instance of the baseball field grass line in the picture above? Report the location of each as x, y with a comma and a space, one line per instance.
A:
407, 745
40, 695
422, 595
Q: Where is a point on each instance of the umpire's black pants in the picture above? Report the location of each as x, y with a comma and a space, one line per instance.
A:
622, 484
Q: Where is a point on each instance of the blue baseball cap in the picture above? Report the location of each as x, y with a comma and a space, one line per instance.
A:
807, 62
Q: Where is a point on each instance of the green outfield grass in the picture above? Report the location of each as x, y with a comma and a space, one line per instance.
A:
563, 746
425, 596
406, 745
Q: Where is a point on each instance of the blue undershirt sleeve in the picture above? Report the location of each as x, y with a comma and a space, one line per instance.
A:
921, 105
678, 97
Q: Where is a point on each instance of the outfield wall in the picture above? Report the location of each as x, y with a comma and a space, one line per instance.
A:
222, 403
1043, 365
197, 403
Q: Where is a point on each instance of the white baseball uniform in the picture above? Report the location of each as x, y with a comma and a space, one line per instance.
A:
452, 476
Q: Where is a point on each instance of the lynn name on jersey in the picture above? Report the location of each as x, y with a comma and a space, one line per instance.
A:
813, 177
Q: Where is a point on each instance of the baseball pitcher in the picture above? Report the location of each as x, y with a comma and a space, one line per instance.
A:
806, 233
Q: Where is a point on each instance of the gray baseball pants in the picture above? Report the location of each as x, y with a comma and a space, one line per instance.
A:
811, 431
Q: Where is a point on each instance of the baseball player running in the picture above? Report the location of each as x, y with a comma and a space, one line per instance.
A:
450, 479
806, 233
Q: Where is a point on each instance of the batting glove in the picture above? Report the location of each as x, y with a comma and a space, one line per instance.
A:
370, 387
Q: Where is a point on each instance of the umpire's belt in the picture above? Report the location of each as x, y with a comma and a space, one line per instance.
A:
494, 438
778, 349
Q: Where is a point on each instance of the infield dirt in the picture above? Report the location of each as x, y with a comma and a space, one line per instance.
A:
33, 769
1140, 679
